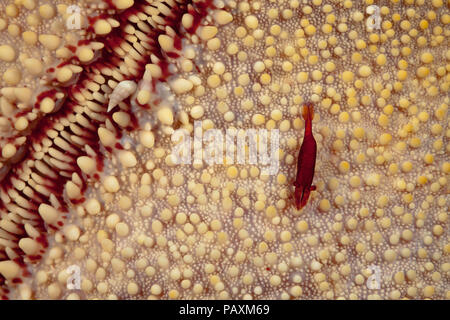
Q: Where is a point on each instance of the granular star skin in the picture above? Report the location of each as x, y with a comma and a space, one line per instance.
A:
138, 226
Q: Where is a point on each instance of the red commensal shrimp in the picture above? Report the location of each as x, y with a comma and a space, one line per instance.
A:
306, 160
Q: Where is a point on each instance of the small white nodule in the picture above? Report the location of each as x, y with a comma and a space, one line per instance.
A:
122, 91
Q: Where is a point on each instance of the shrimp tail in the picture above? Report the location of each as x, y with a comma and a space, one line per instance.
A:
308, 111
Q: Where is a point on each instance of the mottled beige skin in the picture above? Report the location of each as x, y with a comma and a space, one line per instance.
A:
152, 229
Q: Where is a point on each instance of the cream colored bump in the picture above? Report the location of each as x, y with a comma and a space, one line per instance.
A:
107, 138
122, 229
258, 119
33, 19
324, 205
111, 184
21, 124
165, 115
259, 66
12, 10
9, 269
213, 44
7, 53
73, 191
133, 289
127, 159
112, 220
30, 37
85, 54
48, 213
47, 105
181, 85
197, 112
251, 22
87, 164
143, 96
54, 291
123, 4
29, 246
426, 57
93, 206
102, 27
207, 32
14, 30
222, 17
29, 4
72, 232
50, 41
166, 42
64, 74
12, 76
47, 11
121, 118
147, 138
187, 20
9, 150
364, 71
33, 66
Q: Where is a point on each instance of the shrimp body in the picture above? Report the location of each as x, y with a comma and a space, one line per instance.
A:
306, 162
